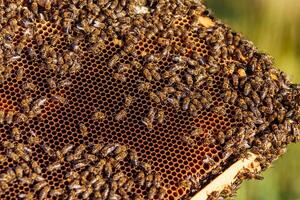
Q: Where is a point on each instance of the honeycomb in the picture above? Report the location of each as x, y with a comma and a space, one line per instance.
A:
132, 100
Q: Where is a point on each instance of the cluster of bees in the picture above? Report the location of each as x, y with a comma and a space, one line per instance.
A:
265, 102
95, 172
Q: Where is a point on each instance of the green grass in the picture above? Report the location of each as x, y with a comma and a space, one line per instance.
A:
273, 26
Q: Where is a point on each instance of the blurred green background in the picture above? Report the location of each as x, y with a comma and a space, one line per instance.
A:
274, 27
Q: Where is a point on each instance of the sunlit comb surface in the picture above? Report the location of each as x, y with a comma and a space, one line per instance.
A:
132, 100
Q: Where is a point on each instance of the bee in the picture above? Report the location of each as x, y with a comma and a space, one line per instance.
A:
154, 97
21, 118
2, 116
189, 141
64, 83
34, 139
49, 151
59, 99
247, 89
39, 185
44, 192
157, 180
133, 157
12, 155
128, 101
137, 197
218, 110
174, 102
152, 192
113, 61
121, 115
36, 167
155, 74
108, 149
90, 157
27, 196
140, 178
233, 97
108, 169
208, 160
56, 192
9, 116
54, 166
235, 81
186, 103
20, 74
160, 116
66, 149
227, 95
120, 77
148, 122
189, 79
197, 132
80, 164
174, 79
146, 167
137, 65
221, 137
83, 129
38, 103
26, 103
52, 83
75, 68
124, 68
26, 169
147, 74
29, 86
144, 86
16, 134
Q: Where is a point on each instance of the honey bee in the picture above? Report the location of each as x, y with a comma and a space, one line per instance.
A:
144, 86
189, 141
157, 180
113, 61
10, 154
133, 157
75, 68
59, 99
152, 192
56, 192
140, 178
26, 168
174, 79
235, 81
108, 149
137, 65
36, 167
186, 103
120, 77
19, 172
2, 116
148, 122
174, 102
38, 103
197, 132
64, 83
128, 101
161, 193
160, 116
20, 74
16, 134
49, 151
208, 160
233, 97
154, 97
218, 110
221, 137
108, 169
147, 74
155, 74
39, 185
9, 116
83, 129
29, 86
21, 118
54, 166
121, 115
27, 196
124, 68
44, 192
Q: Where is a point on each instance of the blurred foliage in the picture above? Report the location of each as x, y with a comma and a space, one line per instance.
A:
273, 26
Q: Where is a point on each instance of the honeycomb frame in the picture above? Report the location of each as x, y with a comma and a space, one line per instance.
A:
171, 93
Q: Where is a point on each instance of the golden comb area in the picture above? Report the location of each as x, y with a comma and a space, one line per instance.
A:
132, 99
